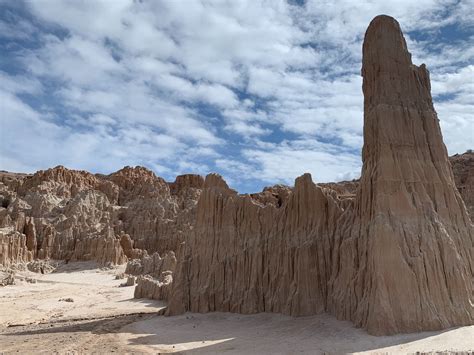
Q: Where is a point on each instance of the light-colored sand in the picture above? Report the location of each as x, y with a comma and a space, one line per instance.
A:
105, 318
33, 319
96, 293
277, 334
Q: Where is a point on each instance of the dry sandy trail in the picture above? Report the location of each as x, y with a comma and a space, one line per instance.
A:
105, 318
34, 319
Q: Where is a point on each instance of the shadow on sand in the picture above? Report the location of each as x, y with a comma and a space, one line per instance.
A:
232, 333
75, 266
110, 324
147, 303
261, 334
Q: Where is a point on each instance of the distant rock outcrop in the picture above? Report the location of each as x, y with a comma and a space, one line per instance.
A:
74, 215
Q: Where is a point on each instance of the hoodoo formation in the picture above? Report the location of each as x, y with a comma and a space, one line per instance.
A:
398, 258
403, 254
392, 252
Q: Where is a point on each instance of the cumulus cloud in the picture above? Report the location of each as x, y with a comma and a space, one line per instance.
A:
258, 91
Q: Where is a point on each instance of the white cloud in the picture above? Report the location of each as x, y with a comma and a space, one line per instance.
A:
285, 161
197, 86
16, 84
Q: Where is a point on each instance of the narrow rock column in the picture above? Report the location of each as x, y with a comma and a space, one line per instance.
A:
405, 256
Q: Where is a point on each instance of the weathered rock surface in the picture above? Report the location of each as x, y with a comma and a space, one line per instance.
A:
402, 260
7, 278
74, 215
245, 256
42, 266
130, 281
155, 275
463, 170
395, 256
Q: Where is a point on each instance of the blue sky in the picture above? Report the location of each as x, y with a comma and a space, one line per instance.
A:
258, 91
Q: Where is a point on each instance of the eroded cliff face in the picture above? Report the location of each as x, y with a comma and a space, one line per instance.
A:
74, 215
266, 253
403, 255
395, 256
463, 170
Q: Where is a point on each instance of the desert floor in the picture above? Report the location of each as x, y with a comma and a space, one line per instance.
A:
104, 318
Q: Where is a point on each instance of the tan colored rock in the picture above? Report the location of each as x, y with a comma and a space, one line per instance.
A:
463, 170
131, 281
155, 275
74, 215
155, 289
30, 232
7, 278
395, 256
42, 266
127, 246
153, 265
402, 259
184, 182
246, 256
13, 249
155, 219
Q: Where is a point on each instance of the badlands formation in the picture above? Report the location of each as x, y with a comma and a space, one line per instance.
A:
392, 252
395, 258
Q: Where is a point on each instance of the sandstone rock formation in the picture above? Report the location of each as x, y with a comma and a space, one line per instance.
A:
155, 275
463, 170
74, 215
7, 278
394, 257
402, 258
246, 256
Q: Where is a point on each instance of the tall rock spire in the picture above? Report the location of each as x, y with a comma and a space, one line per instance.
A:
397, 258
405, 253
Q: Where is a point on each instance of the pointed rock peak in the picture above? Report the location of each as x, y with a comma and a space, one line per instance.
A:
384, 45
215, 180
303, 181
389, 77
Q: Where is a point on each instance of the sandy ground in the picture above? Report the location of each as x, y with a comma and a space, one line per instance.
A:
104, 318
277, 334
34, 317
